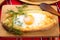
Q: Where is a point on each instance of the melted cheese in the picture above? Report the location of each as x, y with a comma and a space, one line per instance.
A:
38, 19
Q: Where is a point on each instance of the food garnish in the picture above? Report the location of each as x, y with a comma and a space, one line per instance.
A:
13, 15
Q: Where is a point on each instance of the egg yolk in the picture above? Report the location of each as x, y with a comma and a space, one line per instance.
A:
28, 20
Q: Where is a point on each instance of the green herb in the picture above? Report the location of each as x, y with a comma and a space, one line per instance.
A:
14, 15
15, 31
20, 24
21, 9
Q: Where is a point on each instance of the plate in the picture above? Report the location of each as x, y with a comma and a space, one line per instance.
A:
39, 2
52, 32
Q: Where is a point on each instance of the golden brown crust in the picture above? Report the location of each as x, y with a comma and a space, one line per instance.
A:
46, 26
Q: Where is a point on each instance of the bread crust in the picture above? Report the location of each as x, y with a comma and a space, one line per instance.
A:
38, 28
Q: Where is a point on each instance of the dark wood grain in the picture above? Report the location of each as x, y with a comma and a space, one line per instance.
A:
47, 7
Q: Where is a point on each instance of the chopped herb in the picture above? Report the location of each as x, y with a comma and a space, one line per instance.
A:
15, 31
14, 15
20, 24
21, 9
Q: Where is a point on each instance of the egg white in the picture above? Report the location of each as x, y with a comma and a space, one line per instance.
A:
38, 19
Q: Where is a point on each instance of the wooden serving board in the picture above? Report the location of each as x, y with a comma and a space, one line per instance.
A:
54, 31
1, 1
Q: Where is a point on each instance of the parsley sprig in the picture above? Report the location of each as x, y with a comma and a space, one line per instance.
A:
14, 14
